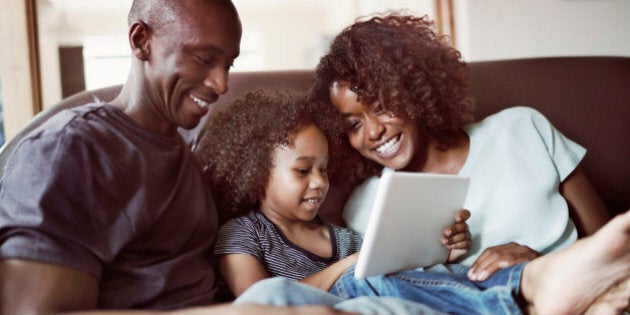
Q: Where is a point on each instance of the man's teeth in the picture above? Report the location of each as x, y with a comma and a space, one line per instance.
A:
387, 145
199, 101
312, 200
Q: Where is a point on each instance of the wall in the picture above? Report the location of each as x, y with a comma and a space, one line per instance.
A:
289, 34
278, 34
68, 23
501, 29
293, 34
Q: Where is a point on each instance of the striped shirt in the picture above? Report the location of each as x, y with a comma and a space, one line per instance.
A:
255, 235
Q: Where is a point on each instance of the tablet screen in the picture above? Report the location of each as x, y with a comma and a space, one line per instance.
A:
409, 215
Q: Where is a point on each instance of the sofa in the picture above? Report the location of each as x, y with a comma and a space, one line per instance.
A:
586, 98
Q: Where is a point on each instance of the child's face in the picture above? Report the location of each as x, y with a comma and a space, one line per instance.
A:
380, 136
298, 181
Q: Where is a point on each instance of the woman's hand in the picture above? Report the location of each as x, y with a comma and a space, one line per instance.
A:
457, 237
500, 257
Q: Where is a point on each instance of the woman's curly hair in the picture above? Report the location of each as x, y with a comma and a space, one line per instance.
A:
400, 63
237, 143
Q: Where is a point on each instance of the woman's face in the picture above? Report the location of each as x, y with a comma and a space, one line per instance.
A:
376, 134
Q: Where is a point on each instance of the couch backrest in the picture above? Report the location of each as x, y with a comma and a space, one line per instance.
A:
587, 98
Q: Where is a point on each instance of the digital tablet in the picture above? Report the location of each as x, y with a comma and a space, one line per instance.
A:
409, 215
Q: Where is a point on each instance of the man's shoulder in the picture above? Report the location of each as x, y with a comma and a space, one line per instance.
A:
68, 120
71, 130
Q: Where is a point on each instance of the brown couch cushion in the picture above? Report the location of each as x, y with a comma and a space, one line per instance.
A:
587, 98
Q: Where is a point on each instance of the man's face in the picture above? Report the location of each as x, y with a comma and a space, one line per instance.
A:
190, 61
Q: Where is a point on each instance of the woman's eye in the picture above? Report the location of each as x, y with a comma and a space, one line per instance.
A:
303, 171
350, 126
378, 108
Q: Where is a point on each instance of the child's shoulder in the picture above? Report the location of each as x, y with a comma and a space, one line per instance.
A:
251, 220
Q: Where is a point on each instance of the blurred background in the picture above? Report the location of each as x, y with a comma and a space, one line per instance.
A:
51, 49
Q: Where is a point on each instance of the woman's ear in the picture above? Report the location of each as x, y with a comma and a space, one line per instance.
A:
139, 40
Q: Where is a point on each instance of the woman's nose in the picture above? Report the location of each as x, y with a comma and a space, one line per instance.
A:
375, 128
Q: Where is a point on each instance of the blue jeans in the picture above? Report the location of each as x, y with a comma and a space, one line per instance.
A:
284, 292
441, 288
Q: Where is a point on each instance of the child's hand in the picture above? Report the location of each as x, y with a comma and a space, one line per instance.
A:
457, 237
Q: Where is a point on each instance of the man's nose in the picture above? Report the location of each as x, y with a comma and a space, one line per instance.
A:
217, 80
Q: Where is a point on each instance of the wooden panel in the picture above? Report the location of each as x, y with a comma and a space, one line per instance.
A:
19, 65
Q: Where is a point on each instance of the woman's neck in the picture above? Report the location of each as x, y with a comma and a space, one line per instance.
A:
436, 159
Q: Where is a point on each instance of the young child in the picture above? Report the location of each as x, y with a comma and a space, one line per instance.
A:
269, 154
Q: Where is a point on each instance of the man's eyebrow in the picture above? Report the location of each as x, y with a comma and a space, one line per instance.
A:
213, 49
207, 47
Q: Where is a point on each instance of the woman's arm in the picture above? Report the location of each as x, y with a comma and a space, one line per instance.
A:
240, 271
586, 208
324, 279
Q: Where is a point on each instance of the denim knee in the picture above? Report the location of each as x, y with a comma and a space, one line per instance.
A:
284, 292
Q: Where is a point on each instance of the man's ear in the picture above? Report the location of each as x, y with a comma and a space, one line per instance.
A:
139, 40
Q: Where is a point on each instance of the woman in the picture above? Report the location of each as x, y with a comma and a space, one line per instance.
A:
402, 93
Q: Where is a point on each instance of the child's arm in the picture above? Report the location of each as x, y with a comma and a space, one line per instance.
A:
240, 271
324, 279
457, 237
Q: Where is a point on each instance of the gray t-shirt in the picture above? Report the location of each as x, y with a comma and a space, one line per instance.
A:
92, 190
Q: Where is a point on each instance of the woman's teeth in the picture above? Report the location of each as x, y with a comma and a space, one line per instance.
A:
200, 102
385, 147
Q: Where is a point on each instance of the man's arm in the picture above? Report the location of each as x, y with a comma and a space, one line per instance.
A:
29, 287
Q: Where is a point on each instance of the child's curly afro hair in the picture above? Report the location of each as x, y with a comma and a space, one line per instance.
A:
237, 143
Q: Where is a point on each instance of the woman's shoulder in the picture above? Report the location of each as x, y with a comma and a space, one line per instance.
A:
512, 118
517, 113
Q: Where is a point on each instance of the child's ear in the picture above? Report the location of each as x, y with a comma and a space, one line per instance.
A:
140, 40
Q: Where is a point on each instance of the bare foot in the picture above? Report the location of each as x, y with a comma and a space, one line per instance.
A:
570, 280
614, 301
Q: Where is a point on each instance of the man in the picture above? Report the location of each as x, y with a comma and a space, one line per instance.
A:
104, 207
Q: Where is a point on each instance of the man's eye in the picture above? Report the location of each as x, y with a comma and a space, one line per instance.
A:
204, 60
